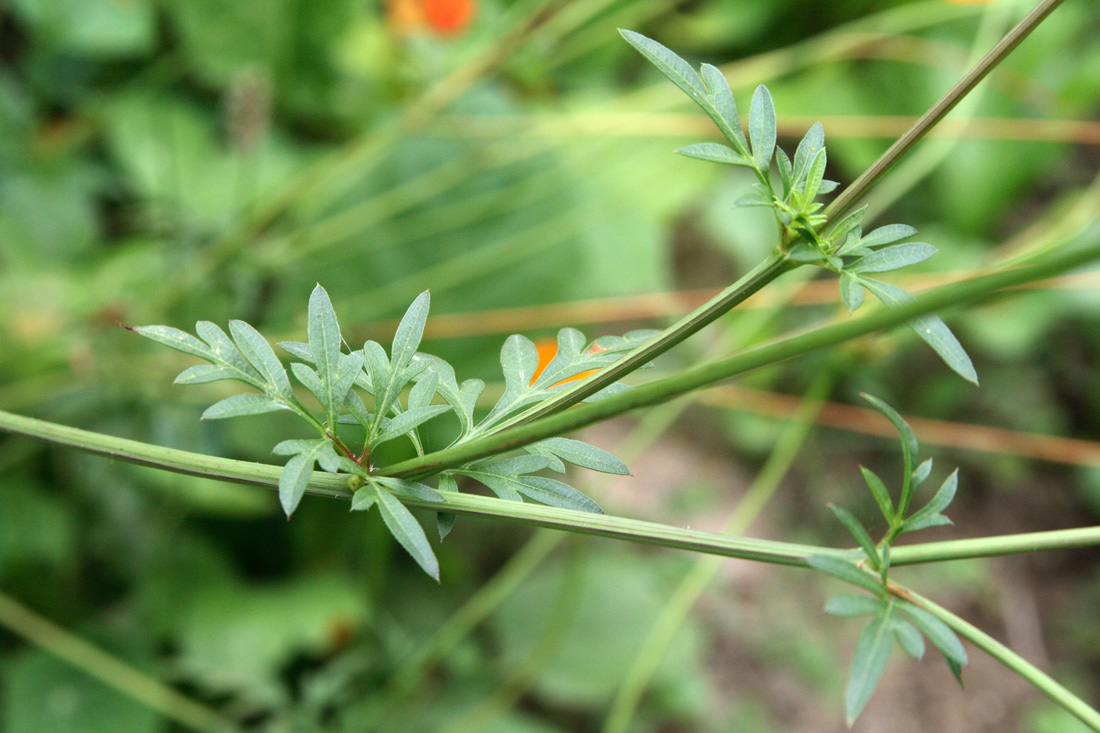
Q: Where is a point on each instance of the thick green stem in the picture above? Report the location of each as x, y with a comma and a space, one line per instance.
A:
928, 120
689, 380
1042, 681
772, 267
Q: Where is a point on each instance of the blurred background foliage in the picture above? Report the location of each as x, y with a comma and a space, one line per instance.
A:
163, 161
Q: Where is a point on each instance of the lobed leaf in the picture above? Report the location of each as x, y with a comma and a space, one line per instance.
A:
224, 350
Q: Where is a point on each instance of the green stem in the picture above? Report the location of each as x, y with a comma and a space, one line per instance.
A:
109, 670
1042, 681
632, 530
928, 120
1013, 544
772, 267
703, 376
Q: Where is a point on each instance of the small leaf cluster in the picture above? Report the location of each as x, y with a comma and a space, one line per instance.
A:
802, 180
391, 396
893, 618
805, 234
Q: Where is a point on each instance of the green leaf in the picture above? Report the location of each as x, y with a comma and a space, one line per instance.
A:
786, 170
406, 340
887, 234
908, 636
176, 339
868, 663
364, 498
292, 447
851, 291
324, 344
943, 497
762, 131
407, 422
259, 354
715, 153
853, 605
675, 68
930, 328
223, 348
555, 493
845, 226
514, 466
308, 377
846, 571
242, 404
582, 454
297, 472
941, 636
444, 523
423, 391
893, 258
927, 521
201, 373
724, 111
921, 472
815, 175
812, 142
882, 496
411, 489
298, 350
909, 439
519, 358
407, 531
859, 534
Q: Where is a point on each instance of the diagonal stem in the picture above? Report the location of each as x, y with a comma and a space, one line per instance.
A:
1035, 676
660, 390
928, 120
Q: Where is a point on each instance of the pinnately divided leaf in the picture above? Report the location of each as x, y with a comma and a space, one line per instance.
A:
715, 153
243, 404
893, 258
296, 474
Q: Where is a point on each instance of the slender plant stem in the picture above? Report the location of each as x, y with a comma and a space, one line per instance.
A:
772, 267
109, 670
1042, 681
633, 530
958, 293
928, 120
